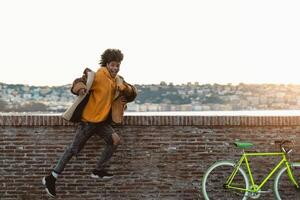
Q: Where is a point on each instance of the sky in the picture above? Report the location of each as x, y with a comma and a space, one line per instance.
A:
179, 41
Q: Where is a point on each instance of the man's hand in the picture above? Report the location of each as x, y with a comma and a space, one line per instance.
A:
121, 87
82, 92
123, 99
116, 139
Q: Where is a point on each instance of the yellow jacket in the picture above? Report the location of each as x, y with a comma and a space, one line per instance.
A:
103, 95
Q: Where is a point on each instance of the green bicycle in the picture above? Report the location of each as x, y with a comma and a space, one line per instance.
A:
228, 180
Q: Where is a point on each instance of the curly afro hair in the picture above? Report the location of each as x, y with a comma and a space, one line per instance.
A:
110, 55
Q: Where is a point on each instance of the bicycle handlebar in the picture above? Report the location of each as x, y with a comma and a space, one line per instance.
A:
285, 145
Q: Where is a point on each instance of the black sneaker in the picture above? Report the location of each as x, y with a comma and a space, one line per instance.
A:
101, 174
49, 183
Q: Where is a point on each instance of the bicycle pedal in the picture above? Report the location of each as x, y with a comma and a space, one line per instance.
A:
266, 191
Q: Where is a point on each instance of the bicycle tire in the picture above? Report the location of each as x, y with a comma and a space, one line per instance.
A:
227, 168
283, 187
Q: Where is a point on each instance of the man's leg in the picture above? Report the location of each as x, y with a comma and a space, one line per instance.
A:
83, 132
111, 140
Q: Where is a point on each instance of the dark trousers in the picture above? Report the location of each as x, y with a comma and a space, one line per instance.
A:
83, 132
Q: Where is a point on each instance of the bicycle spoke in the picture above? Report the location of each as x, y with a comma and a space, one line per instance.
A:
216, 179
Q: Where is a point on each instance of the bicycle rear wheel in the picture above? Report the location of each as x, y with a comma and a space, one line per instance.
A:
283, 187
215, 178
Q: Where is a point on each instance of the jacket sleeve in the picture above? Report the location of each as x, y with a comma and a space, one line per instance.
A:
130, 92
80, 83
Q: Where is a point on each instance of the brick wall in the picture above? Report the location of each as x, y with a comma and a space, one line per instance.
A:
162, 157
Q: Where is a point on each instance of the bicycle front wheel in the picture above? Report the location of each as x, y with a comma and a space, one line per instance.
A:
215, 178
283, 187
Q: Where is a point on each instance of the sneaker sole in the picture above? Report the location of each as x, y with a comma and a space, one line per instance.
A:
104, 177
44, 183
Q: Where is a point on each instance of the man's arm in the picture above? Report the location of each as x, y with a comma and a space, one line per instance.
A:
79, 84
130, 92
127, 90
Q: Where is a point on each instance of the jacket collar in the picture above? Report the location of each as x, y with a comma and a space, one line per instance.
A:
106, 72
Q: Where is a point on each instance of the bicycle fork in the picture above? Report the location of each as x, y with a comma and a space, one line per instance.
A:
290, 174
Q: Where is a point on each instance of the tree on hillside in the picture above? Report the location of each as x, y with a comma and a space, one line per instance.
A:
213, 100
3, 105
32, 107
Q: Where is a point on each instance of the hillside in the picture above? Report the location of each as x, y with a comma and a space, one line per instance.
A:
161, 97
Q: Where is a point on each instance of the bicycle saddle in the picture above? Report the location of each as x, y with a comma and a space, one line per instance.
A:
243, 145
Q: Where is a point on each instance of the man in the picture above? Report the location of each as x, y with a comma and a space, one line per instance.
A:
102, 97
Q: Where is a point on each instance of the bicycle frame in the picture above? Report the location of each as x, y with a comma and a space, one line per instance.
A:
256, 188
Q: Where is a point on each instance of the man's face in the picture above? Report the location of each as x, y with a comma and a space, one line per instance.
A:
113, 68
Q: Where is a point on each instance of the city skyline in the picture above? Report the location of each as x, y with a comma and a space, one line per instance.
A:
161, 98
50, 43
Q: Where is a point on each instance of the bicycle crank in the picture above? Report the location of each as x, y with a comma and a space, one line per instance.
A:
256, 195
